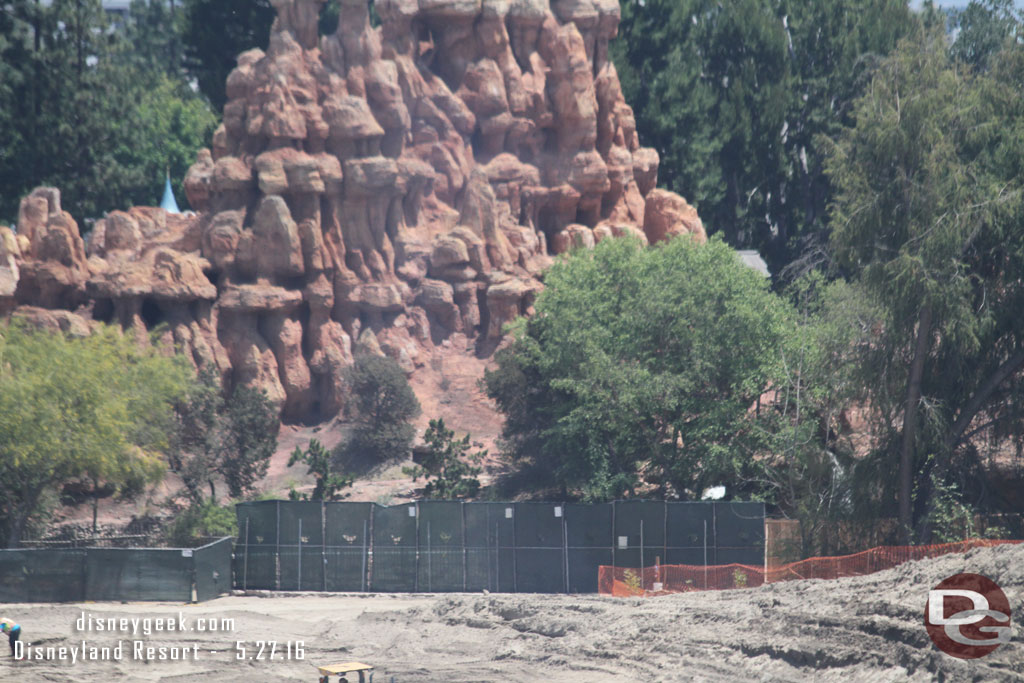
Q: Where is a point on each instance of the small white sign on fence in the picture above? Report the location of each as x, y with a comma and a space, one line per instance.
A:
558, 511
186, 553
508, 513
623, 541
412, 510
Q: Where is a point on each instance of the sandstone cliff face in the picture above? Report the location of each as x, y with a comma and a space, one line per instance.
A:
380, 188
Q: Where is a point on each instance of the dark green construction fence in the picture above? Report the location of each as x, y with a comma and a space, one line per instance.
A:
439, 546
117, 574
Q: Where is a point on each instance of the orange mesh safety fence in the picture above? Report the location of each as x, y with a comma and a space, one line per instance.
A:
680, 578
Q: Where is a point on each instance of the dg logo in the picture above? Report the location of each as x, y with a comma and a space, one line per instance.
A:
967, 616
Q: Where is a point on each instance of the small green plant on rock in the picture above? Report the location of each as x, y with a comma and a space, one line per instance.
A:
446, 463
632, 580
318, 461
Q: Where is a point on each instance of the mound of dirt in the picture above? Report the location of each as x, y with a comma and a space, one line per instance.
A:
867, 628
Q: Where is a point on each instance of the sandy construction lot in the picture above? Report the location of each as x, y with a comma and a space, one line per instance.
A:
863, 629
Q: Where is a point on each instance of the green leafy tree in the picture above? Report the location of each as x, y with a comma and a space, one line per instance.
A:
318, 461
983, 28
640, 367
382, 407
805, 455
96, 409
733, 95
200, 521
89, 111
215, 33
927, 217
447, 464
228, 440
153, 29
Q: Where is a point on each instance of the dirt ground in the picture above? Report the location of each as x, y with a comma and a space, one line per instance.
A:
862, 629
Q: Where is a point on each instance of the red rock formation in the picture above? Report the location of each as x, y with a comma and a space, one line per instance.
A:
384, 188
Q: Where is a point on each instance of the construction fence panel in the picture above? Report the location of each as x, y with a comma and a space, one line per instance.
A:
739, 533
213, 569
500, 547
540, 548
442, 565
301, 558
639, 533
691, 533
138, 574
347, 537
393, 553
256, 554
588, 534
42, 575
490, 546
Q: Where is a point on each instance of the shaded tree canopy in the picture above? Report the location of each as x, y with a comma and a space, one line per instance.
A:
382, 408
97, 408
218, 439
732, 96
640, 368
447, 465
99, 110
927, 218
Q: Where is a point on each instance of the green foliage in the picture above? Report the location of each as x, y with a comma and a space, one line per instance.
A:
202, 520
447, 464
97, 409
641, 365
99, 110
318, 461
733, 95
231, 440
927, 218
382, 407
632, 580
983, 28
215, 32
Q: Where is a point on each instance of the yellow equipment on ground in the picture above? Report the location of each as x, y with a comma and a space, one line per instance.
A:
340, 670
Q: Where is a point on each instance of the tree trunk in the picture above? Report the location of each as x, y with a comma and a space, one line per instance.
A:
18, 526
21, 515
984, 392
95, 504
924, 329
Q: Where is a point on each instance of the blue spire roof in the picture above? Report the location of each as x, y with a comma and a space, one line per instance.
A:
168, 203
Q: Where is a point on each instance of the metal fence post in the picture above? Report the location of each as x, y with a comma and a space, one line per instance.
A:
565, 548
430, 563
615, 541
705, 554
465, 561
323, 541
362, 577
298, 581
487, 540
714, 530
416, 577
245, 561
277, 548
497, 560
515, 555
642, 586
664, 537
